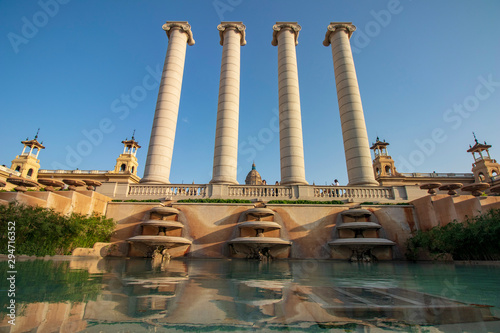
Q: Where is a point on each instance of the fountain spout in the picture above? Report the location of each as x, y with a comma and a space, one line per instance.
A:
157, 245
261, 246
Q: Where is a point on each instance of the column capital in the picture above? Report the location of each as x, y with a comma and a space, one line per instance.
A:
280, 26
348, 27
237, 26
183, 26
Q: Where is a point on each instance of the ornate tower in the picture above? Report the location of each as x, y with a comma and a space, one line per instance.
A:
28, 163
127, 161
383, 164
485, 169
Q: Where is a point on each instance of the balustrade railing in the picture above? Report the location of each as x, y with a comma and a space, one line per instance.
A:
74, 171
263, 192
347, 192
185, 191
436, 174
10, 171
259, 191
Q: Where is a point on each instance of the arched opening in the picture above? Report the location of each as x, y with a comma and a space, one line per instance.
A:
30, 173
481, 177
378, 171
132, 170
18, 168
494, 173
388, 170
123, 167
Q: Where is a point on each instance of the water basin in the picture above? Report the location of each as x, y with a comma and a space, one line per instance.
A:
131, 295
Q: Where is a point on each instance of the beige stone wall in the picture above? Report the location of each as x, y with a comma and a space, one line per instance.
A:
211, 226
439, 210
127, 217
308, 227
398, 223
65, 202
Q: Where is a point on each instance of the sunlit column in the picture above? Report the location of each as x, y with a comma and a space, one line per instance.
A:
285, 35
161, 143
232, 36
356, 145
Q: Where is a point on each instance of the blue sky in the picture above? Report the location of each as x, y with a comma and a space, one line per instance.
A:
429, 75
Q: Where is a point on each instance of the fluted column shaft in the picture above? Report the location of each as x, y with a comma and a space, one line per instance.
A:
285, 36
226, 135
161, 143
356, 145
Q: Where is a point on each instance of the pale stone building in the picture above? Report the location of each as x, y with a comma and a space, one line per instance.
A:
484, 169
27, 165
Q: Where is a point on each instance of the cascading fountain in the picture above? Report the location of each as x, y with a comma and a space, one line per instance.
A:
252, 242
154, 240
357, 237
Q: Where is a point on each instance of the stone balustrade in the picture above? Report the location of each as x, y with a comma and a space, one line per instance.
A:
74, 171
167, 191
9, 171
352, 192
260, 191
435, 174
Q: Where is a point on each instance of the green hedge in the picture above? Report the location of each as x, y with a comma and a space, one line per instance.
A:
215, 201
306, 202
368, 203
135, 200
477, 238
42, 231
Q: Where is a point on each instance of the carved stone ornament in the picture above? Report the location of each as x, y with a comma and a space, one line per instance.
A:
348, 27
183, 26
280, 26
237, 26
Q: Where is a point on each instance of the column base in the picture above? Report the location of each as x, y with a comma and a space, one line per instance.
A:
154, 181
367, 182
294, 182
223, 181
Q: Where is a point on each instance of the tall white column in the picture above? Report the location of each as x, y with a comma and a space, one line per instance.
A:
285, 35
356, 145
161, 143
232, 36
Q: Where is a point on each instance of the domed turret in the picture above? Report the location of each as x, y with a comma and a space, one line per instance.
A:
253, 177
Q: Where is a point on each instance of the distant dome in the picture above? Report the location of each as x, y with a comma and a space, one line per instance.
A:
253, 177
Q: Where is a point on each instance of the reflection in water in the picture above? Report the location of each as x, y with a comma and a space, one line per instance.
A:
135, 295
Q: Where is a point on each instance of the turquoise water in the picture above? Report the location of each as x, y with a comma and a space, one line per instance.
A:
136, 295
